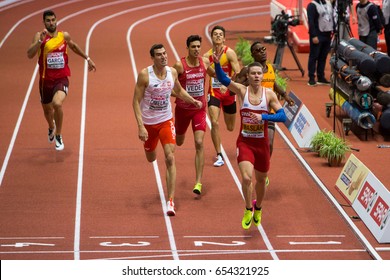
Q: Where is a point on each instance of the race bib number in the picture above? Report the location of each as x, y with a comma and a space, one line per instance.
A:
195, 89
55, 60
251, 129
159, 103
215, 83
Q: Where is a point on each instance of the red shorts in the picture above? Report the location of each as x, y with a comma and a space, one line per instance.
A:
165, 132
216, 98
47, 88
256, 153
183, 117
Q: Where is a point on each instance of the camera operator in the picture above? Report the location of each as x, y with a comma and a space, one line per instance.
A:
369, 25
346, 11
320, 17
386, 14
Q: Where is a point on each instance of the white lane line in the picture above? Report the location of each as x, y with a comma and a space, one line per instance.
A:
120, 237
314, 242
312, 236
34, 238
190, 252
383, 249
220, 236
199, 253
6, 5
39, 12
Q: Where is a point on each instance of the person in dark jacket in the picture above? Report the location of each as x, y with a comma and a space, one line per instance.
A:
386, 14
369, 25
320, 17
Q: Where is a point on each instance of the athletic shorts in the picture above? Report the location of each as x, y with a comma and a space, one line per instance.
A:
47, 88
165, 132
227, 101
258, 154
183, 117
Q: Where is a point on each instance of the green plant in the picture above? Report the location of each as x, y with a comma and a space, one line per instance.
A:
319, 139
282, 82
243, 51
241, 46
334, 150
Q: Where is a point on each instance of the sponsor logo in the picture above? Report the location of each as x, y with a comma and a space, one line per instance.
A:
367, 196
379, 211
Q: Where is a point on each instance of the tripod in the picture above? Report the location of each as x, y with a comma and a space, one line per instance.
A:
279, 57
343, 31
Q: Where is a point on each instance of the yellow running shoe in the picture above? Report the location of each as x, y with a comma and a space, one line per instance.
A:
257, 217
197, 189
247, 219
266, 181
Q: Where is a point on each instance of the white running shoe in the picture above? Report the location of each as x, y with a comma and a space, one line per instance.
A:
171, 208
59, 143
51, 134
219, 162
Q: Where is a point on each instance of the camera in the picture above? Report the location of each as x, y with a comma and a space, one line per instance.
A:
279, 27
342, 6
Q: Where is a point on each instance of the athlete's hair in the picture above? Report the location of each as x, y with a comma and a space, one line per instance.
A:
254, 44
193, 38
48, 13
254, 64
218, 27
155, 47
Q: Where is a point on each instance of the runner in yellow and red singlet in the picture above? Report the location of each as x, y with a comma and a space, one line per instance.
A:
219, 95
52, 49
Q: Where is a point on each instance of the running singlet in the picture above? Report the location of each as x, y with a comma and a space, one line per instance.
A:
215, 85
269, 77
252, 130
53, 58
192, 80
156, 105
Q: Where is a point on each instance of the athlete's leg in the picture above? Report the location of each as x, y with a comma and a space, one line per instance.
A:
169, 150
229, 114
214, 112
260, 187
271, 136
48, 112
199, 154
246, 170
58, 100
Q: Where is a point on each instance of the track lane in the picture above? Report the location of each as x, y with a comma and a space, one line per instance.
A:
131, 187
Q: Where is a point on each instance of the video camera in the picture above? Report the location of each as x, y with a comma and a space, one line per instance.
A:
342, 6
279, 27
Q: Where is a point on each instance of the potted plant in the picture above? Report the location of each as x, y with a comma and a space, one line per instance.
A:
319, 139
243, 51
334, 150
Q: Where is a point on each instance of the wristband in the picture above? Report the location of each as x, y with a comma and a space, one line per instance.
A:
279, 116
88, 59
